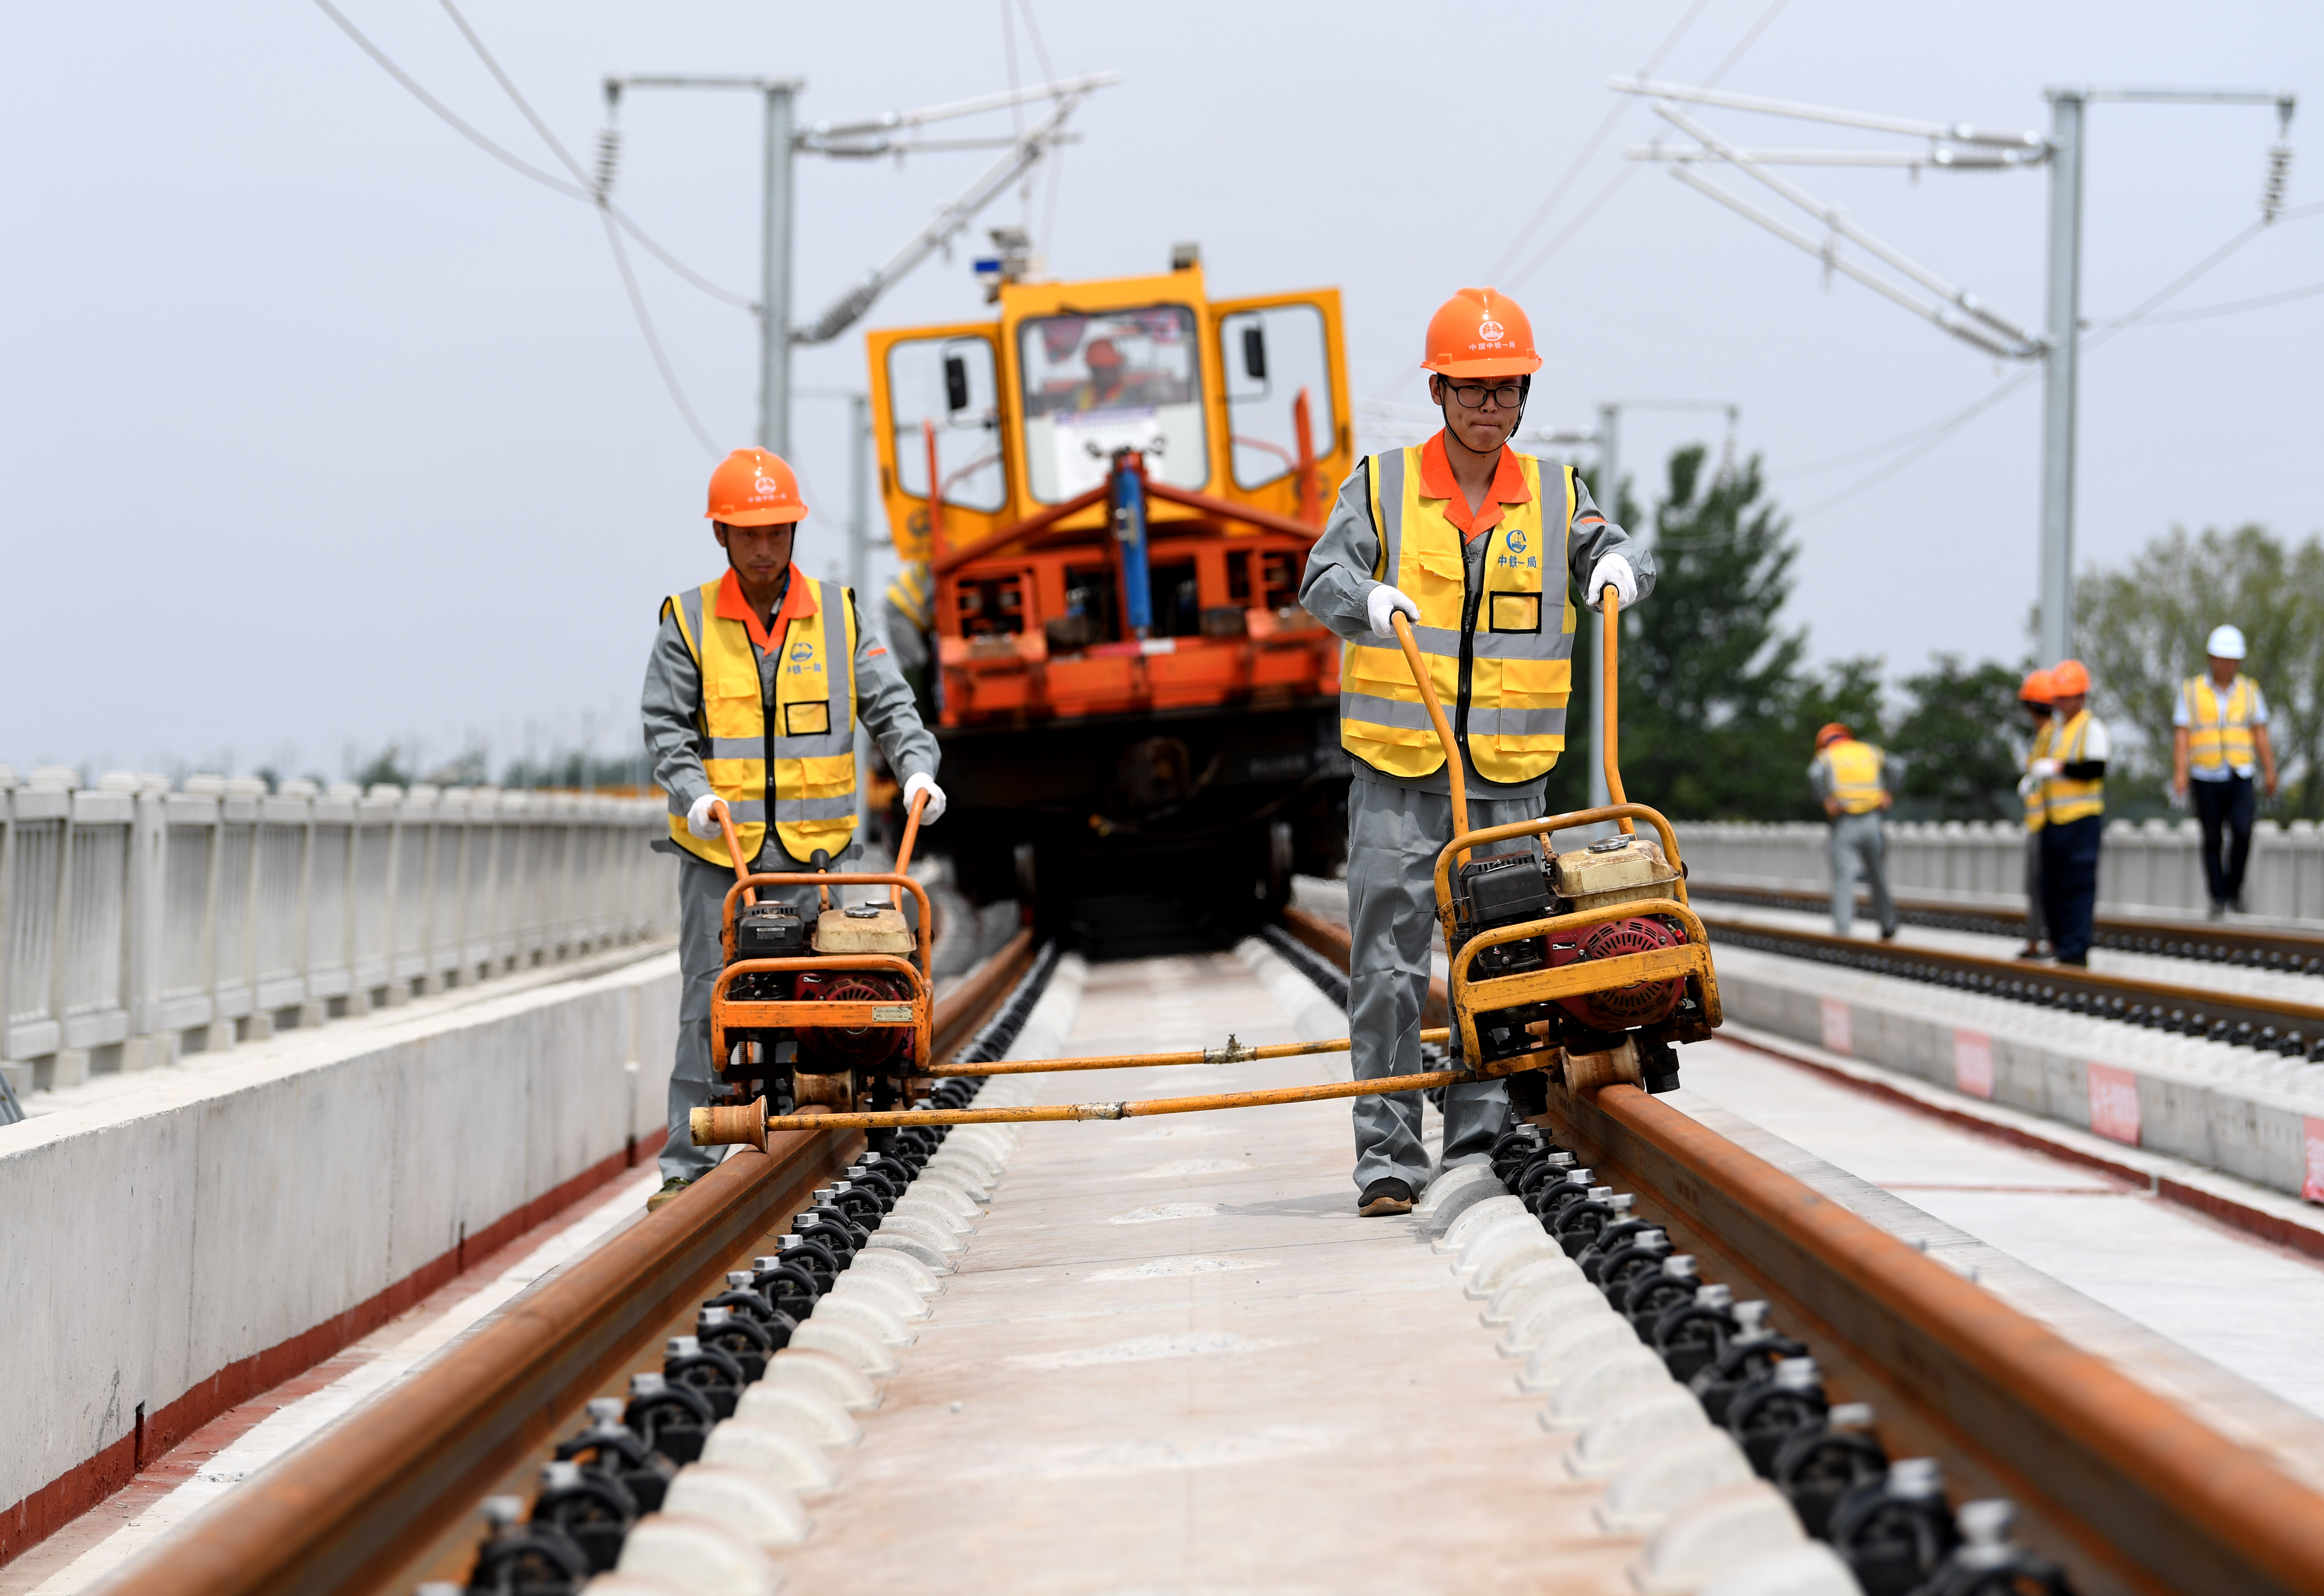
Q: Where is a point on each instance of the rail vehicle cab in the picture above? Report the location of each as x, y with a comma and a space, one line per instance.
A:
1115, 486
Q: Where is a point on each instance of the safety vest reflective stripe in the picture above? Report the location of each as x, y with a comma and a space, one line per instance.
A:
811, 740
2036, 801
2064, 800
1855, 768
1512, 715
910, 593
2220, 732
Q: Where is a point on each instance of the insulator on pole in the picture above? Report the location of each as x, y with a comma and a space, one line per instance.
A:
2279, 177
609, 159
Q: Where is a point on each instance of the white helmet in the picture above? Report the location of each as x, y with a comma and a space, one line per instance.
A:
2227, 644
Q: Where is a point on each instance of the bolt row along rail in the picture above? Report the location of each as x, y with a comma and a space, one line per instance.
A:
138, 921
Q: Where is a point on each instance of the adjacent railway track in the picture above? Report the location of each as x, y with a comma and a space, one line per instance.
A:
2269, 1024
380, 1505
2123, 1488
2258, 948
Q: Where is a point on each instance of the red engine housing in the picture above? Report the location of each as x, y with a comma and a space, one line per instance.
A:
827, 1049
1623, 1008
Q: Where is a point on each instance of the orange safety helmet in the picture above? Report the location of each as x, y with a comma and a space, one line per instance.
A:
1833, 731
1480, 332
2037, 689
2068, 679
753, 488
1101, 352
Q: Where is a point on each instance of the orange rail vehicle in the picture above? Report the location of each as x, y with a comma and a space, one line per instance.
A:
1114, 487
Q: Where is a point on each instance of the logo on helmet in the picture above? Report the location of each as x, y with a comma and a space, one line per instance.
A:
765, 487
1489, 330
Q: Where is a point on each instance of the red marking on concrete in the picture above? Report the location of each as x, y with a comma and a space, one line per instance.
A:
272, 1372
2289, 1233
2114, 1103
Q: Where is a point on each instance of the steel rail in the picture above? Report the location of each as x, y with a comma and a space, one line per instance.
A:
2107, 997
348, 1510
2214, 941
2146, 1491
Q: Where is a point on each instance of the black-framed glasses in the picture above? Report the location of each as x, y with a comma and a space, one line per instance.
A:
1473, 395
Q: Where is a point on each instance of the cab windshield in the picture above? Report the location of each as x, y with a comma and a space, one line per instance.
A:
1114, 380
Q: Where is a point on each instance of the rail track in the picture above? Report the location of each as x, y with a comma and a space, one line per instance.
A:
2257, 948
2120, 1489
2263, 1022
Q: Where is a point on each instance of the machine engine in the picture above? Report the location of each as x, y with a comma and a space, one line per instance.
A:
1623, 1008
827, 1049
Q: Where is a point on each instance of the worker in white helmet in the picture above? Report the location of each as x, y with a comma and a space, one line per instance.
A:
2219, 734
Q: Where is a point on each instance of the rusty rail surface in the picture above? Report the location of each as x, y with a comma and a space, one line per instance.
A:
349, 1509
2158, 1499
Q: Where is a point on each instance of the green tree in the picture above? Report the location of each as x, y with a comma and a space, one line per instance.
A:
1955, 744
1712, 696
2143, 630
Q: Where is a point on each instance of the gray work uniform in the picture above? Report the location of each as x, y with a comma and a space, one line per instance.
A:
1397, 825
1857, 845
669, 704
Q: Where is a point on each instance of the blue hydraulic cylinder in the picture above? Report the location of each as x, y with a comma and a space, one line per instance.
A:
1129, 539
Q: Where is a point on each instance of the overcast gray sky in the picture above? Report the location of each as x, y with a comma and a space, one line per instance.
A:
324, 428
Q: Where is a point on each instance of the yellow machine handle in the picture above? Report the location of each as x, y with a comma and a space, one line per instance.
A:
1611, 601
903, 848
1411, 646
733, 847
1610, 612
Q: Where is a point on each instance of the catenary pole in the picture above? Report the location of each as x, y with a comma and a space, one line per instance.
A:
2060, 372
775, 283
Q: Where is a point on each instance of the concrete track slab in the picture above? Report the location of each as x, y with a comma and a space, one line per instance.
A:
1174, 1360
2217, 1319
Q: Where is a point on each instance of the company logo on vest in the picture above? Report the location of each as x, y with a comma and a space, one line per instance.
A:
1516, 540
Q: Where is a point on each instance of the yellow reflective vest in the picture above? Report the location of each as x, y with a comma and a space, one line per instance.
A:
1501, 659
1855, 768
796, 753
2064, 800
2220, 730
2036, 796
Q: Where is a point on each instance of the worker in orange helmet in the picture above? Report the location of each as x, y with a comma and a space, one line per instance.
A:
2072, 774
2033, 698
1850, 778
752, 691
1478, 546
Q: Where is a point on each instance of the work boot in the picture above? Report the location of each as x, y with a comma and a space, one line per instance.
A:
2218, 912
1887, 933
1390, 1195
669, 1189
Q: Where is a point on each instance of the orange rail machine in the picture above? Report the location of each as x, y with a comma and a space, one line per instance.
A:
1588, 967
839, 1013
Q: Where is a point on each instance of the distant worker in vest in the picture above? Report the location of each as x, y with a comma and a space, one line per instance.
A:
1474, 544
752, 691
2218, 730
2033, 698
2072, 774
1850, 778
910, 617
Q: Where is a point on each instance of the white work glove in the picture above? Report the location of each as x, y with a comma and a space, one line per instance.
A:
700, 820
1611, 569
1384, 600
2043, 769
924, 782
